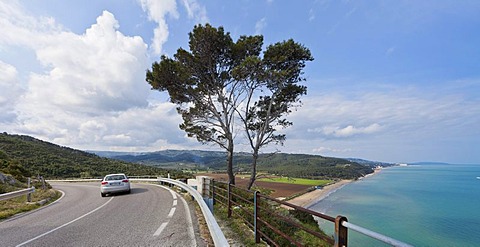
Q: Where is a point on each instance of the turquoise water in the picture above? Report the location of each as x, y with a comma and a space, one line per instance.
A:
423, 205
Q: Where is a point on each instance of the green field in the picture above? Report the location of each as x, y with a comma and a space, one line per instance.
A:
302, 181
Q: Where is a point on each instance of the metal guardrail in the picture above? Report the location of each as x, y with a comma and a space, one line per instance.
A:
76, 180
14, 194
230, 196
215, 231
375, 235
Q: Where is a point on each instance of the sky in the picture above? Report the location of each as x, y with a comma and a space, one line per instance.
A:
392, 81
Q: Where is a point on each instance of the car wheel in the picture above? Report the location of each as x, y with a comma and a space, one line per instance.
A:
128, 191
103, 194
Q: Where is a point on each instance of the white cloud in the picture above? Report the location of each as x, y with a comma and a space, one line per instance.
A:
311, 15
10, 91
371, 124
99, 71
330, 150
138, 129
260, 25
390, 51
92, 91
347, 131
119, 139
195, 11
157, 12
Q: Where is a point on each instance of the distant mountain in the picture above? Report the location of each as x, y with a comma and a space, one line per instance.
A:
25, 154
428, 163
167, 158
299, 165
112, 154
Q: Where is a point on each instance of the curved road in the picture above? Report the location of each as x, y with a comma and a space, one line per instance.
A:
150, 215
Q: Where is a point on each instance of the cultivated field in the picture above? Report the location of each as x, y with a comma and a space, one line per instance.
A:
281, 187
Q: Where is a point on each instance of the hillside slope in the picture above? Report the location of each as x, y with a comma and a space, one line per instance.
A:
295, 165
53, 161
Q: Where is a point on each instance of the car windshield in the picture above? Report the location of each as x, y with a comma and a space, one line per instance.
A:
115, 177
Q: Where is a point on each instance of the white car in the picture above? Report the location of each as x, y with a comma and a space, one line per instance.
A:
115, 183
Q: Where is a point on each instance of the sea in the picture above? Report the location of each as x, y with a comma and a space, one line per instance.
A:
421, 205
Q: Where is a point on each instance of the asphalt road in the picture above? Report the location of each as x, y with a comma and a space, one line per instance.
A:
149, 216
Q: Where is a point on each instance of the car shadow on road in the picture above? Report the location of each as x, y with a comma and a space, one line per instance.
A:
138, 190
132, 191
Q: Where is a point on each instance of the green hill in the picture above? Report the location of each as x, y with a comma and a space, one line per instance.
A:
294, 165
27, 156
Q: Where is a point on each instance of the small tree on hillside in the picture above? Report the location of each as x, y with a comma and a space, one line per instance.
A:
272, 90
201, 84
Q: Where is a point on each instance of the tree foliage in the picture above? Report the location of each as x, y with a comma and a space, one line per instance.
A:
272, 87
218, 78
200, 83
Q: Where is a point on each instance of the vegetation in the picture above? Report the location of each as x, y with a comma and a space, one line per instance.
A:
24, 156
17, 205
200, 83
219, 81
281, 164
236, 229
272, 89
313, 167
44, 193
243, 209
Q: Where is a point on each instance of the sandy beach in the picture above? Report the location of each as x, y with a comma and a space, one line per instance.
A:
308, 199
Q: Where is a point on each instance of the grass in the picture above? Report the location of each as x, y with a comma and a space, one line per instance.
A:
19, 204
301, 181
235, 230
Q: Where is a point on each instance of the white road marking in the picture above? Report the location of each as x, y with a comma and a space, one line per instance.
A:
174, 195
191, 234
172, 211
66, 224
160, 229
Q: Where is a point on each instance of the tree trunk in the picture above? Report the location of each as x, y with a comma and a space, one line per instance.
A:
253, 174
231, 175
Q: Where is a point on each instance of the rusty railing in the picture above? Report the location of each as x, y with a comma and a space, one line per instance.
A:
273, 220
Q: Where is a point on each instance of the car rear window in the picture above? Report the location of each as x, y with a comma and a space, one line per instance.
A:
116, 177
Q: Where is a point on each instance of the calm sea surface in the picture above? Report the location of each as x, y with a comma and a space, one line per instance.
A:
423, 205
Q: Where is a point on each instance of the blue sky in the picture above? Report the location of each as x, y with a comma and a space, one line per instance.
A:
395, 81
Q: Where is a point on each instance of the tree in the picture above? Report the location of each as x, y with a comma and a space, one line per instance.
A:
273, 81
201, 84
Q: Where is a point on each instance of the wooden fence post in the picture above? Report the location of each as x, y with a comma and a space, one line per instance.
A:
229, 196
213, 190
255, 216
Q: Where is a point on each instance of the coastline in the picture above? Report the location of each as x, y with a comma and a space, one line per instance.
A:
309, 199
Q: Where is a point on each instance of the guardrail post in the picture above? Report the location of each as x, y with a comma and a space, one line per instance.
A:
29, 197
341, 232
255, 216
44, 187
213, 190
205, 192
209, 193
229, 196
